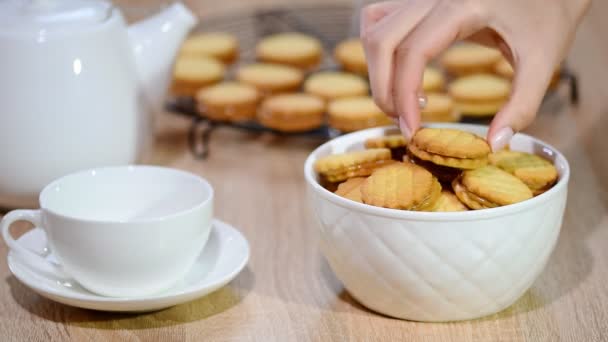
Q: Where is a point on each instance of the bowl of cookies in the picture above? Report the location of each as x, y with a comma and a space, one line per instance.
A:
437, 228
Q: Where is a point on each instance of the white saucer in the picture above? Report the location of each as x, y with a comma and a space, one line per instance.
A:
224, 256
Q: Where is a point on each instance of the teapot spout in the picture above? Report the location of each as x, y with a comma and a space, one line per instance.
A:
155, 42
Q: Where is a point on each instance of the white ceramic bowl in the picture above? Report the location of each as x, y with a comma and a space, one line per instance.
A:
437, 266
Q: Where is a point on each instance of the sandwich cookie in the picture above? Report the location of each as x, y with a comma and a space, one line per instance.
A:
292, 112
193, 73
295, 49
228, 101
340, 167
356, 113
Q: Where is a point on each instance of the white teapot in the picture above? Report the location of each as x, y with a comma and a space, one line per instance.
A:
77, 88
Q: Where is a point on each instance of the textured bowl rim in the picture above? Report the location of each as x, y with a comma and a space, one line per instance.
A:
561, 185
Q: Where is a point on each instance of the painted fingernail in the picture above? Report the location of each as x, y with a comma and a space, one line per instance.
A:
422, 101
501, 138
405, 130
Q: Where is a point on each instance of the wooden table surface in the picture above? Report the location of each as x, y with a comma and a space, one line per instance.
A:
288, 292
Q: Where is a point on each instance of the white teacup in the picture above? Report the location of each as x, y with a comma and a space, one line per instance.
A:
125, 231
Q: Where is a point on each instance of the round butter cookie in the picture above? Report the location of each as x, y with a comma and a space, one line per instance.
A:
292, 112
468, 58
396, 142
219, 45
539, 174
295, 49
439, 108
401, 186
449, 142
340, 167
449, 202
388, 141
432, 80
351, 189
228, 101
489, 187
355, 113
504, 69
480, 94
332, 85
271, 78
193, 73
350, 55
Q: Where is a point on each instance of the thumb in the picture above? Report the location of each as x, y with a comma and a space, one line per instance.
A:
532, 76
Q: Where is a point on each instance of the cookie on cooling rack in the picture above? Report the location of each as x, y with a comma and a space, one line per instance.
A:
332, 85
292, 48
193, 73
271, 79
350, 55
468, 58
297, 112
432, 80
228, 101
479, 95
355, 113
439, 108
220, 45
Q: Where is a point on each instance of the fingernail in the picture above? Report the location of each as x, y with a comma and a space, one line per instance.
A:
422, 101
396, 121
405, 130
501, 138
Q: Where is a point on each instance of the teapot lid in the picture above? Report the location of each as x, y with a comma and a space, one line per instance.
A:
48, 14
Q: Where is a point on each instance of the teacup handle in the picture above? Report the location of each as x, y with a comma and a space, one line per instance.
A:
32, 259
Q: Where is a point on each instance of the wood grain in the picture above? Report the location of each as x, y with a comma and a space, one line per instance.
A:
288, 291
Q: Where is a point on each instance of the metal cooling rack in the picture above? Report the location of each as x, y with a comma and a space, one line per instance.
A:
329, 23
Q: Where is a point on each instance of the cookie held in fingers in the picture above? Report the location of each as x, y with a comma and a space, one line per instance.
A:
228, 101
332, 85
271, 79
401, 186
537, 173
450, 147
490, 187
292, 112
351, 189
295, 49
220, 45
355, 113
340, 167
193, 73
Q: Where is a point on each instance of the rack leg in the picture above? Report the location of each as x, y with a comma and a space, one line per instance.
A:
199, 136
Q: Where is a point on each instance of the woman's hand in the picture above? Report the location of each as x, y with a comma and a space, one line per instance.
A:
400, 37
